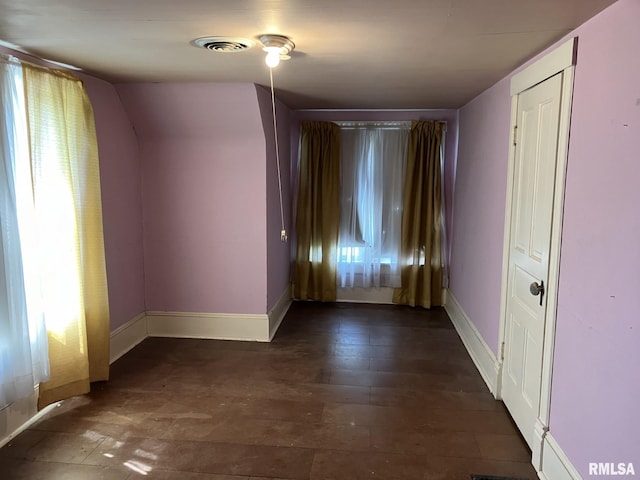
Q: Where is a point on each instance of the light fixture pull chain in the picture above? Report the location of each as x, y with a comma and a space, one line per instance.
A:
283, 230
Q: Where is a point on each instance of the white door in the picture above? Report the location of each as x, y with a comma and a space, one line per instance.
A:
536, 146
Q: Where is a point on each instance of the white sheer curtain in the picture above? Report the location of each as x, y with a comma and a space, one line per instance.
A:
23, 337
373, 160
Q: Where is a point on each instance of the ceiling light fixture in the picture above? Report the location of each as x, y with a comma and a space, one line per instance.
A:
277, 47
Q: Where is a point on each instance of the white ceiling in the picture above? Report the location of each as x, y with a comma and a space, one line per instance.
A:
349, 53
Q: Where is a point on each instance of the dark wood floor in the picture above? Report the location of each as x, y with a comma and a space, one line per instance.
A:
343, 392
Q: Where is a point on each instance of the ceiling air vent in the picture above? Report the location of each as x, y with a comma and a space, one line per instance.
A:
223, 44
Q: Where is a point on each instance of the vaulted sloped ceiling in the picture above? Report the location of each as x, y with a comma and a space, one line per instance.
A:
349, 53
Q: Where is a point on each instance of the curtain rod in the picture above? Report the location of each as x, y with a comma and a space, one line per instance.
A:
13, 60
373, 123
353, 125
380, 110
382, 122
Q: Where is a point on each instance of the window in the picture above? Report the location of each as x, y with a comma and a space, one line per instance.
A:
54, 318
373, 158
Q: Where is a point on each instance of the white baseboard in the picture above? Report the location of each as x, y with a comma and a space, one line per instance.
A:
20, 415
220, 326
483, 357
215, 326
127, 336
555, 464
279, 310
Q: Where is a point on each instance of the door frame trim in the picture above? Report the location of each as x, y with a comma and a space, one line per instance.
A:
561, 60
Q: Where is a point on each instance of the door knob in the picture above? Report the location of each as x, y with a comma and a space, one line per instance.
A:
537, 289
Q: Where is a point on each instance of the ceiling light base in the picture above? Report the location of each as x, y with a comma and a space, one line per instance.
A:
283, 45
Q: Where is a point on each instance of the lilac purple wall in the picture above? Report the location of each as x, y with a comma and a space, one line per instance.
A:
204, 189
478, 223
120, 179
596, 384
451, 144
594, 415
278, 252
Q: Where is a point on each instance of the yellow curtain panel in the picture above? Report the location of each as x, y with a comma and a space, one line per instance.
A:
66, 192
318, 212
421, 241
